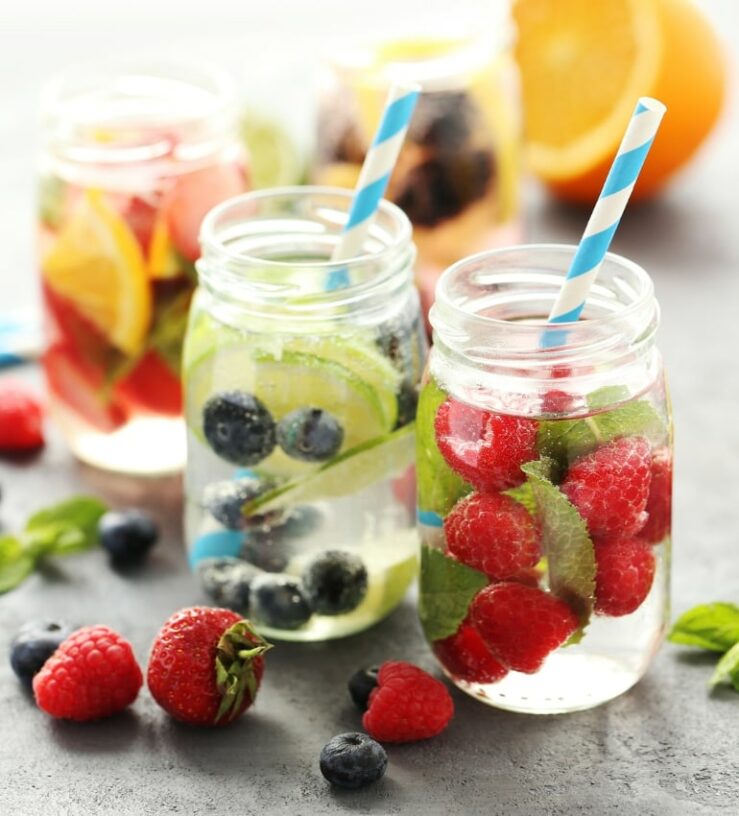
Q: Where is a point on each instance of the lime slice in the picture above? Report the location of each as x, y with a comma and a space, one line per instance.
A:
363, 359
346, 474
292, 380
275, 160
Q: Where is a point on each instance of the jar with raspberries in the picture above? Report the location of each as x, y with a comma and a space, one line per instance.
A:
544, 483
301, 382
458, 175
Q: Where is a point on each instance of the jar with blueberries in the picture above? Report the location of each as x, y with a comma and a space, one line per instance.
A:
301, 380
545, 483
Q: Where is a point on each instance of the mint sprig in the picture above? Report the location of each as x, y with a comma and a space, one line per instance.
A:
62, 529
565, 540
447, 590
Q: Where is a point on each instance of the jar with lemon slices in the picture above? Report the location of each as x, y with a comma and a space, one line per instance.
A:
301, 379
132, 159
458, 175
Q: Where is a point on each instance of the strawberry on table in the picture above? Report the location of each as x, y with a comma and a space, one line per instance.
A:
206, 666
21, 418
93, 674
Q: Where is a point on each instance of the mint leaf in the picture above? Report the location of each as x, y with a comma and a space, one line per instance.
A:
10, 549
566, 543
439, 487
80, 514
524, 494
15, 572
727, 668
447, 590
709, 626
607, 396
566, 440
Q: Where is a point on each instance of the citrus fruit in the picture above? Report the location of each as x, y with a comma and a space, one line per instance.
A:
151, 386
275, 161
97, 265
584, 65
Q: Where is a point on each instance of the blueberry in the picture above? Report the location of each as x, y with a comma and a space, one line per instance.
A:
225, 500
271, 544
266, 551
407, 403
238, 427
300, 522
33, 645
353, 760
227, 582
127, 535
361, 684
310, 434
279, 601
335, 582
444, 121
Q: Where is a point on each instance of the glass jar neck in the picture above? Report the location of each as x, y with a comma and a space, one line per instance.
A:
117, 115
268, 255
489, 320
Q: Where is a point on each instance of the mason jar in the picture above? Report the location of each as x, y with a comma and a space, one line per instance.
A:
544, 483
458, 175
132, 159
301, 379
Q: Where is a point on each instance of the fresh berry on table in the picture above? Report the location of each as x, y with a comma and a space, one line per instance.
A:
206, 666
494, 534
361, 685
625, 573
310, 434
239, 428
279, 601
352, 760
21, 418
335, 582
407, 705
33, 645
93, 674
127, 536
227, 582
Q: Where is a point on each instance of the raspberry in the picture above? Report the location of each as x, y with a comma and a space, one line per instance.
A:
484, 448
624, 576
92, 675
21, 418
466, 657
407, 705
659, 503
521, 625
610, 487
494, 534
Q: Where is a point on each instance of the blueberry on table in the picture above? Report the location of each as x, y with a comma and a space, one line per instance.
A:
225, 500
227, 582
127, 536
279, 601
310, 434
353, 760
361, 684
335, 582
33, 645
238, 427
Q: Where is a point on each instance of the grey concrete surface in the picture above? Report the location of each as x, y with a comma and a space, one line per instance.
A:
666, 748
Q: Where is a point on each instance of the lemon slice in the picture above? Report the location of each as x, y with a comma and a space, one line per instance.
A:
97, 264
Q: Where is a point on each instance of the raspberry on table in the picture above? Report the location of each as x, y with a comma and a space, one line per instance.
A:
520, 624
659, 503
466, 657
610, 487
93, 674
624, 576
407, 705
484, 448
494, 534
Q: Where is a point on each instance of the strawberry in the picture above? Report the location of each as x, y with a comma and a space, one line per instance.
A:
152, 386
93, 674
21, 418
206, 666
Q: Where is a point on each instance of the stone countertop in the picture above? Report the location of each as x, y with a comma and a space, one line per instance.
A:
666, 747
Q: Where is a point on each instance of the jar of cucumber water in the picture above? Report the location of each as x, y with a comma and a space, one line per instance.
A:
301, 380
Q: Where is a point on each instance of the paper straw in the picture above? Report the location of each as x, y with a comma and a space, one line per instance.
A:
374, 176
605, 217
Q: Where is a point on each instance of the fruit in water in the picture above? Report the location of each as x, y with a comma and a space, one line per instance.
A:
279, 601
466, 656
310, 434
659, 503
624, 576
225, 500
335, 582
152, 386
227, 582
238, 427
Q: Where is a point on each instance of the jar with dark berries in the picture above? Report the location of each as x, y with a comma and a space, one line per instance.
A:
301, 382
458, 175
544, 483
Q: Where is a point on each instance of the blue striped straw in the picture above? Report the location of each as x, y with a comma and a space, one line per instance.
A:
374, 176
605, 217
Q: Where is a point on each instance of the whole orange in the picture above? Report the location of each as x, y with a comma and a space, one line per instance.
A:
583, 66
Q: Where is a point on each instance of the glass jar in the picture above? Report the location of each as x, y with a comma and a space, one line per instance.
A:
132, 159
458, 175
544, 483
301, 379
